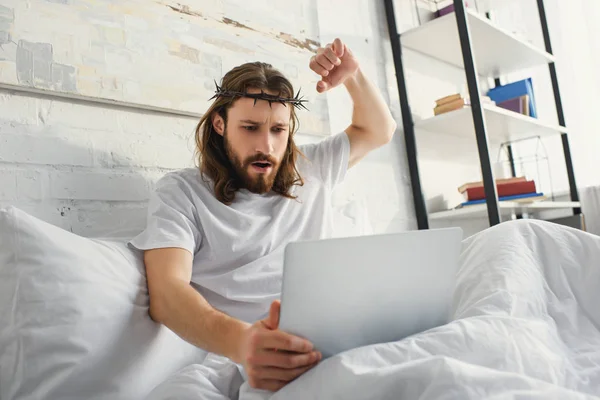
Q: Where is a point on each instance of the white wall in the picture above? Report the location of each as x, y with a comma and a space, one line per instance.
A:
89, 167
157, 53
382, 178
85, 167
575, 37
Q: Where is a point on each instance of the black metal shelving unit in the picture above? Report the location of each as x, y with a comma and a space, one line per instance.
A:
479, 122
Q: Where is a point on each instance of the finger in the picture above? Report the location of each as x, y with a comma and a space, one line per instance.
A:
322, 86
281, 374
331, 56
338, 47
287, 360
347, 51
281, 340
318, 68
324, 61
272, 321
271, 385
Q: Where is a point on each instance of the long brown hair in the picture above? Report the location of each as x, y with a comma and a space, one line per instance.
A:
210, 145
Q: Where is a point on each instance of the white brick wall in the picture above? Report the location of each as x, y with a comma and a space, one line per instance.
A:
93, 185
86, 167
89, 167
95, 180
19, 109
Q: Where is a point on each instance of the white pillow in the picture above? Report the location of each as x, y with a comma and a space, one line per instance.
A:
74, 320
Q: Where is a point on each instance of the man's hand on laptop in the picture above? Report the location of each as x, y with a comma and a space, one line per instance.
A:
273, 358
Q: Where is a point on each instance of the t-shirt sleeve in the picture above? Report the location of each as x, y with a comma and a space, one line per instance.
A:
171, 218
329, 158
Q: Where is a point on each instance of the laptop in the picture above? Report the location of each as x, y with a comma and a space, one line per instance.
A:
351, 292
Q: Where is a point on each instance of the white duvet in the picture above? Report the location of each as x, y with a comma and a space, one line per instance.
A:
526, 324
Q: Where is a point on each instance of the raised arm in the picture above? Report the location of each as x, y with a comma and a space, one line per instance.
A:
177, 305
372, 123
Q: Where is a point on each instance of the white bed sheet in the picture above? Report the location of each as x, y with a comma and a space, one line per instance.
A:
526, 324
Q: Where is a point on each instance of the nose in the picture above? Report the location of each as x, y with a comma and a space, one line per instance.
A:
264, 143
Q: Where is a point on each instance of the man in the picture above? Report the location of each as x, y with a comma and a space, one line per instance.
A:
215, 236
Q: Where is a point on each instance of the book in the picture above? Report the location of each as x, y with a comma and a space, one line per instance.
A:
447, 9
505, 189
515, 89
521, 198
515, 105
451, 106
499, 181
447, 99
528, 199
519, 104
455, 97
525, 105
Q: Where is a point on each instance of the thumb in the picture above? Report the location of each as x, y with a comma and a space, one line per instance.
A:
272, 321
338, 47
323, 86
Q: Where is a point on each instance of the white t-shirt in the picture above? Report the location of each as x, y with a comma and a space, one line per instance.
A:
238, 249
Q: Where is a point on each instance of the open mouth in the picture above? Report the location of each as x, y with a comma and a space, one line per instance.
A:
262, 164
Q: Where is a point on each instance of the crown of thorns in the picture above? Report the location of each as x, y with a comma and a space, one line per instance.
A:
296, 101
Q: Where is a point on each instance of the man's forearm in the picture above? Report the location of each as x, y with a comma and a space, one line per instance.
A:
190, 316
370, 112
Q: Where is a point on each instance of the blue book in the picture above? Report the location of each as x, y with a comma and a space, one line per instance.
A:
504, 198
510, 91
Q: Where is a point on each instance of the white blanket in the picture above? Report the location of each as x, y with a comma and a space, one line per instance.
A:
526, 324
590, 205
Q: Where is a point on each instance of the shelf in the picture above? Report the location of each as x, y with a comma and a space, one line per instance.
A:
507, 208
501, 125
497, 52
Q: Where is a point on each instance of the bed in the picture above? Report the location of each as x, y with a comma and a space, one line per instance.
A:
526, 324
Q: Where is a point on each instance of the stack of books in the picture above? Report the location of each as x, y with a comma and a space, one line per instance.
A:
455, 102
517, 96
512, 189
449, 103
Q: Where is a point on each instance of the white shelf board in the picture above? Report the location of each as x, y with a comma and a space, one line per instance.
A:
501, 125
497, 52
506, 209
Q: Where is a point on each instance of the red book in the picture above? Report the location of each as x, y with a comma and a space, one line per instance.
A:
505, 189
469, 185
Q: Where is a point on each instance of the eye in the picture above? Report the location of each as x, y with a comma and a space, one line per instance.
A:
278, 130
250, 128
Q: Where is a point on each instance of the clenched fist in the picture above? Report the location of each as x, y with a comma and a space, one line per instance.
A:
334, 63
273, 358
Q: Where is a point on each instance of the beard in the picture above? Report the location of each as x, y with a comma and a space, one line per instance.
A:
260, 183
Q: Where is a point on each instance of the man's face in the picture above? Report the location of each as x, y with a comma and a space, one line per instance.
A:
256, 139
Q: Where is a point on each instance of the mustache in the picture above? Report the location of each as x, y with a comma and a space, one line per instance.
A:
260, 157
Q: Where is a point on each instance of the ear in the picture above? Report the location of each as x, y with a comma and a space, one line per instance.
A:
218, 123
